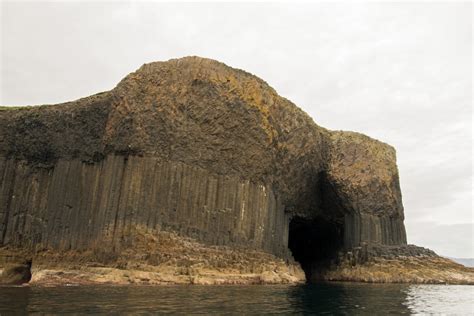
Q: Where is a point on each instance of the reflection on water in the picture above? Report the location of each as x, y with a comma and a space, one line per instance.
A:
441, 299
333, 298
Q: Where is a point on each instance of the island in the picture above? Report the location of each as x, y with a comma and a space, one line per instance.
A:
193, 172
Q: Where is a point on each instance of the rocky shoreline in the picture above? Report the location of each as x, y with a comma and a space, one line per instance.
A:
172, 259
396, 264
408, 270
169, 259
415, 270
112, 276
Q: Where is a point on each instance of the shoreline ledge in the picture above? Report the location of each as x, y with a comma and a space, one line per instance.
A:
169, 259
172, 259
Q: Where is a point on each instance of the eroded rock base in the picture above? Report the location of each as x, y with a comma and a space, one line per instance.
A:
395, 264
159, 258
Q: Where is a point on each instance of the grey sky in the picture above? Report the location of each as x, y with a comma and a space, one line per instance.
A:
401, 73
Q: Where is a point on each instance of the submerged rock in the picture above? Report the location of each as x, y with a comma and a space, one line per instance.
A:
198, 148
16, 274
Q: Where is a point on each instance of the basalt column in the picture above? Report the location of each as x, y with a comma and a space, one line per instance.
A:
82, 206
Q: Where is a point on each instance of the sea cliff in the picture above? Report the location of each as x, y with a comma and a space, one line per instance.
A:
190, 171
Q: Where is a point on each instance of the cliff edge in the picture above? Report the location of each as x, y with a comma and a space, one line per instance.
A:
193, 169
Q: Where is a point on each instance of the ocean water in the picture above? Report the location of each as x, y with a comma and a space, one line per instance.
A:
330, 298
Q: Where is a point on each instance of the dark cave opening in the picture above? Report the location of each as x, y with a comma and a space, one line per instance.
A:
315, 243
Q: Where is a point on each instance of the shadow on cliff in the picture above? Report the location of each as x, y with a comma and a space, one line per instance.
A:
315, 244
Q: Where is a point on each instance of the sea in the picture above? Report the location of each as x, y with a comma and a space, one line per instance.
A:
311, 299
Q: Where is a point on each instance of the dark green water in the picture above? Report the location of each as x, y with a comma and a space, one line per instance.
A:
334, 298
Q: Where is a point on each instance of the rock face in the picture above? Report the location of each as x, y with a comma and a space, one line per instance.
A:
195, 147
363, 176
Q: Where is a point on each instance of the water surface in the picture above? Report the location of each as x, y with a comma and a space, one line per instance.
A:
332, 298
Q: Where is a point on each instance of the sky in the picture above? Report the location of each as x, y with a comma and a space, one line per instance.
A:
398, 72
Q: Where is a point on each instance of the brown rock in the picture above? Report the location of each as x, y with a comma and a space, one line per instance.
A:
194, 147
16, 274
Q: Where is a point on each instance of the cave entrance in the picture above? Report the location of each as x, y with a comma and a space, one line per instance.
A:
315, 243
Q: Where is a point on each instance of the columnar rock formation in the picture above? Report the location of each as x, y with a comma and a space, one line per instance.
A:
201, 149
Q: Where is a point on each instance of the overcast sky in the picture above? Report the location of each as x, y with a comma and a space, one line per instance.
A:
401, 73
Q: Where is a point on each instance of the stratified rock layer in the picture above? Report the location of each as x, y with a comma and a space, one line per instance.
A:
198, 148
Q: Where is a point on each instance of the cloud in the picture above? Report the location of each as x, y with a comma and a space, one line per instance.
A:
445, 240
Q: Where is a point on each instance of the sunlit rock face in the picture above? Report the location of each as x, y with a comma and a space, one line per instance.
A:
201, 149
